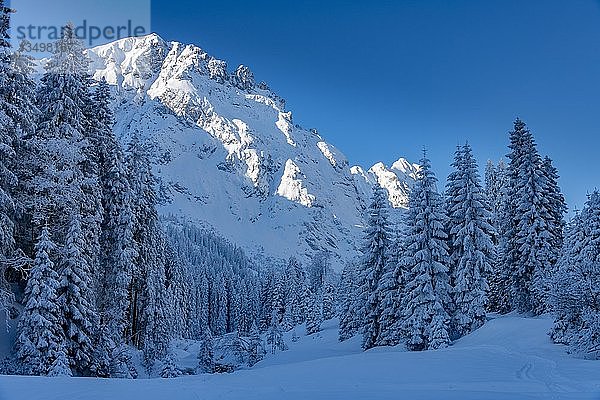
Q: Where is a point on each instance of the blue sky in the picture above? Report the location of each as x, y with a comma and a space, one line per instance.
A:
382, 79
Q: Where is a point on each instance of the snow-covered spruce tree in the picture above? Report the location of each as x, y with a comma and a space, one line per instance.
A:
179, 285
267, 284
556, 209
278, 299
65, 130
287, 320
507, 216
119, 249
77, 300
425, 302
219, 310
471, 246
206, 356
155, 306
314, 311
256, 351
275, 336
202, 304
122, 361
295, 279
499, 278
349, 323
329, 311
586, 343
24, 100
493, 185
17, 118
313, 295
372, 266
528, 243
247, 311
392, 286
144, 218
17, 88
169, 368
102, 350
565, 286
318, 272
57, 187
8, 179
453, 187
237, 349
235, 306
60, 366
576, 284
41, 342
149, 304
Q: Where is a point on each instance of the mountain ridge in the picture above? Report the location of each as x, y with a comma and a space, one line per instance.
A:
229, 155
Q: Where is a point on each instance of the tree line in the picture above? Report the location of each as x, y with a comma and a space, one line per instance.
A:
476, 248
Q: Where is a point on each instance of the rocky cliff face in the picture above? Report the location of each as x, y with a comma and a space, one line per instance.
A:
230, 157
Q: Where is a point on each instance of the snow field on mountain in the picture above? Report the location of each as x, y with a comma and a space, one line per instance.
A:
508, 358
230, 156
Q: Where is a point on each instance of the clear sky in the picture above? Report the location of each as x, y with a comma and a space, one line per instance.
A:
382, 79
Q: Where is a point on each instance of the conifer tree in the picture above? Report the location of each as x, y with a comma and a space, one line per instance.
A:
329, 300
155, 328
8, 141
372, 267
149, 304
499, 278
314, 316
266, 303
118, 247
275, 336
17, 88
527, 249
24, 100
349, 323
278, 299
64, 181
471, 246
256, 350
565, 288
425, 304
206, 356
295, 278
40, 342
170, 369
77, 301
17, 119
576, 283
392, 287
454, 186
556, 209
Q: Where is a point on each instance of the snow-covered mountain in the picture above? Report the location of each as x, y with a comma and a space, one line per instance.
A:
230, 156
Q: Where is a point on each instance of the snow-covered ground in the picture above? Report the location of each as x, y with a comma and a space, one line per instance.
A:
509, 358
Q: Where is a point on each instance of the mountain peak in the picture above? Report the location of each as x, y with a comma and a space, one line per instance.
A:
229, 156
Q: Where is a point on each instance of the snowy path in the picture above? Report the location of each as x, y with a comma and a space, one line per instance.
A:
509, 358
